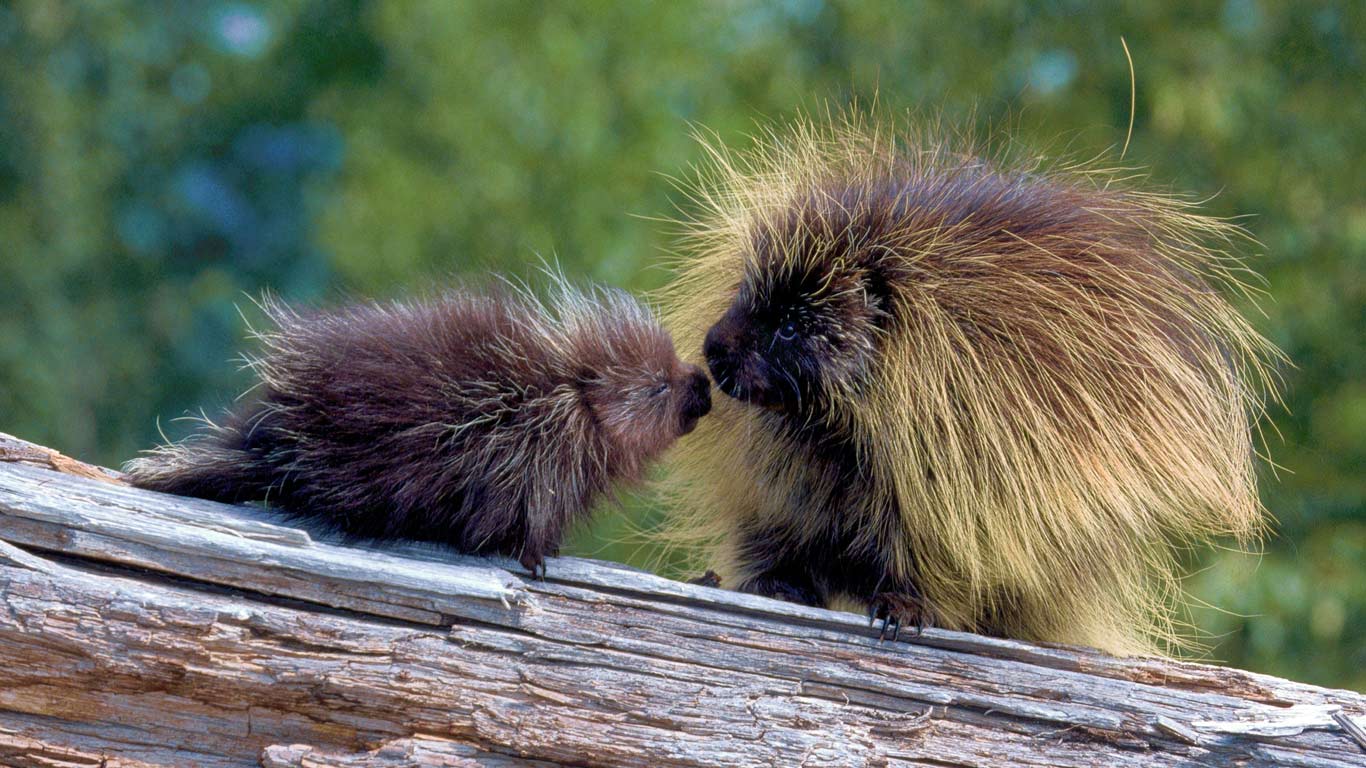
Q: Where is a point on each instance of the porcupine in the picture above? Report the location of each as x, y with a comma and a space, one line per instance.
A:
987, 395
488, 421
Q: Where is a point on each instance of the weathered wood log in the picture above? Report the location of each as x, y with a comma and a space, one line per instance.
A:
139, 629
16, 451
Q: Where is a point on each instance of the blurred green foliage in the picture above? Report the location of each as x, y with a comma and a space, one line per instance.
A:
161, 160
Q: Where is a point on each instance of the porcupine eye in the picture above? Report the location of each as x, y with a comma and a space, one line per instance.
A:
787, 331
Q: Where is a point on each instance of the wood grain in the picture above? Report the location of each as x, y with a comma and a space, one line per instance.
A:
149, 630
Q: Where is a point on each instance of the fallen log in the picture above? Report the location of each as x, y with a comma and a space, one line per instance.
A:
140, 629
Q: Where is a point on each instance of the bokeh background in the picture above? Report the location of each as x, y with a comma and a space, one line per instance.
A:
161, 161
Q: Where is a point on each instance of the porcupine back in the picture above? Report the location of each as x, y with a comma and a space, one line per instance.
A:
465, 414
1062, 394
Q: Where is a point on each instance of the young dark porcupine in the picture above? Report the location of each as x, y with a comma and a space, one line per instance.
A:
488, 422
989, 396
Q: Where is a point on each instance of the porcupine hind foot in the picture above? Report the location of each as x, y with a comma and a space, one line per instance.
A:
779, 588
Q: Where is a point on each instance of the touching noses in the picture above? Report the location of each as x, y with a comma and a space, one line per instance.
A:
697, 399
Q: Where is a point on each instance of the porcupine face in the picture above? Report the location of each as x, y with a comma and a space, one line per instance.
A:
803, 325
640, 393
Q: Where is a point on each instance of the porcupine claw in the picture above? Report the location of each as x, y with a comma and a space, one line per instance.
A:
897, 609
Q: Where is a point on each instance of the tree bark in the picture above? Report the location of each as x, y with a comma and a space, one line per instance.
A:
139, 629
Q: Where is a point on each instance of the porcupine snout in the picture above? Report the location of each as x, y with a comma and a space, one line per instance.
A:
717, 348
697, 399
738, 373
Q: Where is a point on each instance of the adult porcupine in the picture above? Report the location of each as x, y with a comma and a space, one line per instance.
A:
988, 395
487, 421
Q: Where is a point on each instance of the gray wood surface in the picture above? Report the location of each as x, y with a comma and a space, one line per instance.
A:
140, 629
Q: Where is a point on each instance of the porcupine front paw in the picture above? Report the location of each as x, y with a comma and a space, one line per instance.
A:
534, 562
898, 609
708, 579
780, 589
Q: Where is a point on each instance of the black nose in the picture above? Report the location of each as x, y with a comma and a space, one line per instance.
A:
697, 401
716, 349
713, 347
700, 390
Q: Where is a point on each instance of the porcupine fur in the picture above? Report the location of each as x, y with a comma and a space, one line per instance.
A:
488, 421
1011, 395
